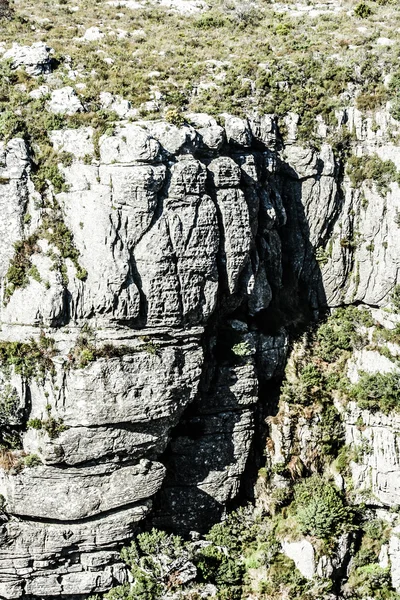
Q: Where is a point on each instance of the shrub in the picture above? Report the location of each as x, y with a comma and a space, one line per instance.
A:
283, 580
341, 332
152, 558
308, 387
236, 532
242, 349
122, 592
375, 533
319, 508
210, 20
373, 168
215, 566
372, 581
395, 298
54, 230
53, 427
174, 116
31, 460
10, 406
31, 359
362, 10
377, 391
47, 169
20, 265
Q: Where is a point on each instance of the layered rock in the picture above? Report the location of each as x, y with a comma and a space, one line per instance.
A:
193, 248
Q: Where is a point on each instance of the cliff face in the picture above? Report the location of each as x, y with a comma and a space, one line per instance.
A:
146, 317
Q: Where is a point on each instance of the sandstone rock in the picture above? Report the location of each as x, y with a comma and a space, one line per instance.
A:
92, 34
130, 143
237, 233
264, 129
173, 139
211, 135
117, 104
51, 493
185, 7
377, 472
225, 172
78, 142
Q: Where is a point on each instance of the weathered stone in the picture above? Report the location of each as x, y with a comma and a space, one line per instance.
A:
303, 555
130, 143
51, 493
225, 172
189, 243
65, 101
238, 131
36, 59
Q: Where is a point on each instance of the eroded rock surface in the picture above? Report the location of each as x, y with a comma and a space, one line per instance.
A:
190, 246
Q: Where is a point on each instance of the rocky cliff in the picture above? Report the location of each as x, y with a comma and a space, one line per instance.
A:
146, 316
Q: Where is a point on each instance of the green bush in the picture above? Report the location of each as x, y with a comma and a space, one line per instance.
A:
377, 391
20, 265
151, 558
32, 460
31, 359
362, 10
395, 298
372, 581
10, 406
54, 230
236, 532
372, 168
283, 580
320, 510
308, 387
52, 426
375, 534
210, 20
215, 566
341, 332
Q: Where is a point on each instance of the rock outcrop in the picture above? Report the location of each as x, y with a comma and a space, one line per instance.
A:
155, 293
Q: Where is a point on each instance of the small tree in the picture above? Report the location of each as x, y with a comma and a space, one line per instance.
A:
320, 509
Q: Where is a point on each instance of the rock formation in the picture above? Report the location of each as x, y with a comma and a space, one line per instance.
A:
157, 292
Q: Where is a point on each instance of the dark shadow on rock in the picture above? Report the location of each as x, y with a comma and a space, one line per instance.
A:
298, 301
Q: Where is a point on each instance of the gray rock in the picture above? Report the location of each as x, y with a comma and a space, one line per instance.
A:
195, 240
73, 494
238, 131
130, 143
225, 172
35, 59
65, 101
303, 555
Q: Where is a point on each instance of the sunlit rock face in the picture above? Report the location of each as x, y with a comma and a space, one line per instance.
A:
193, 249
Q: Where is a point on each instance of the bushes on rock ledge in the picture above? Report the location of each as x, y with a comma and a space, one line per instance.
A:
29, 359
372, 168
377, 391
341, 332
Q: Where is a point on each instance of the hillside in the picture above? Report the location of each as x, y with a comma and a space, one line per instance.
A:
200, 300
